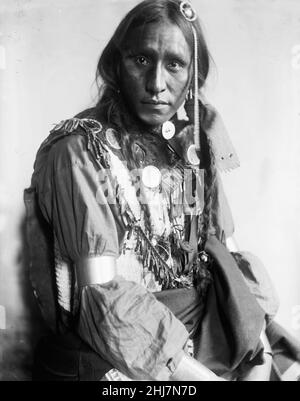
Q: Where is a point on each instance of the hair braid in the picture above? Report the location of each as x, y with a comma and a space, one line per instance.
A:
210, 175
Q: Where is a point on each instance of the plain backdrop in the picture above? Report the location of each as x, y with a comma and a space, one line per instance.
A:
48, 55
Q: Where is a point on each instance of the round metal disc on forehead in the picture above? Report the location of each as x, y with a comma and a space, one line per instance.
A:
111, 137
168, 130
192, 155
151, 176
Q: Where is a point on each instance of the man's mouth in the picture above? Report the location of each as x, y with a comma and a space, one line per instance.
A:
155, 102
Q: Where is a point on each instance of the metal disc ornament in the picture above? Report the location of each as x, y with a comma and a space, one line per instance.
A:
111, 137
168, 130
192, 155
188, 11
151, 177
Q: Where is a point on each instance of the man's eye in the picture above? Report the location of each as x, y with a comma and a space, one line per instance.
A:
142, 60
174, 66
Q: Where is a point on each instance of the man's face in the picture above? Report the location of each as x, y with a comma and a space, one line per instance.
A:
155, 71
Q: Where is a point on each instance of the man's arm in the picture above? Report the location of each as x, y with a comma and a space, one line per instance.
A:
182, 367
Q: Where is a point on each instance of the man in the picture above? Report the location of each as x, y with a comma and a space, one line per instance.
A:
142, 267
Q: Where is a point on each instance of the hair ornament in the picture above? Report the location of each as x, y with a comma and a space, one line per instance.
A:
188, 11
190, 15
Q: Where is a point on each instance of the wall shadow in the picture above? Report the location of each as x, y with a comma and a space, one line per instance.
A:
19, 340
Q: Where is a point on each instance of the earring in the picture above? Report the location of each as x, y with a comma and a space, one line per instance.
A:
189, 104
189, 95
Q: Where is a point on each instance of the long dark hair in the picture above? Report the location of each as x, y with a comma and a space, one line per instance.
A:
110, 106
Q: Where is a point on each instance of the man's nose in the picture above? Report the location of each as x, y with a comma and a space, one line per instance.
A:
156, 80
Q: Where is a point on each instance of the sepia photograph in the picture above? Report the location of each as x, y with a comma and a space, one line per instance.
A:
149, 192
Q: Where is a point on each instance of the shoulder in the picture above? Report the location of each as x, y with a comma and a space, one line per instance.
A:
74, 140
225, 155
77, 141
69, 150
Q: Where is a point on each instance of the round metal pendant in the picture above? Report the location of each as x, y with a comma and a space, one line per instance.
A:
192, 155
188, 11
151, 177
111, 137
168, 130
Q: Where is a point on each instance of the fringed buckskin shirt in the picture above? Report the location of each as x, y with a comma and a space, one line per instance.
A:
81, 187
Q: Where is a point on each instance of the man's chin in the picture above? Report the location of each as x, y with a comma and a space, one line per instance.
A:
154, 120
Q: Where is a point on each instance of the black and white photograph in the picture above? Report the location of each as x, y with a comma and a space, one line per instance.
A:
149, 192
